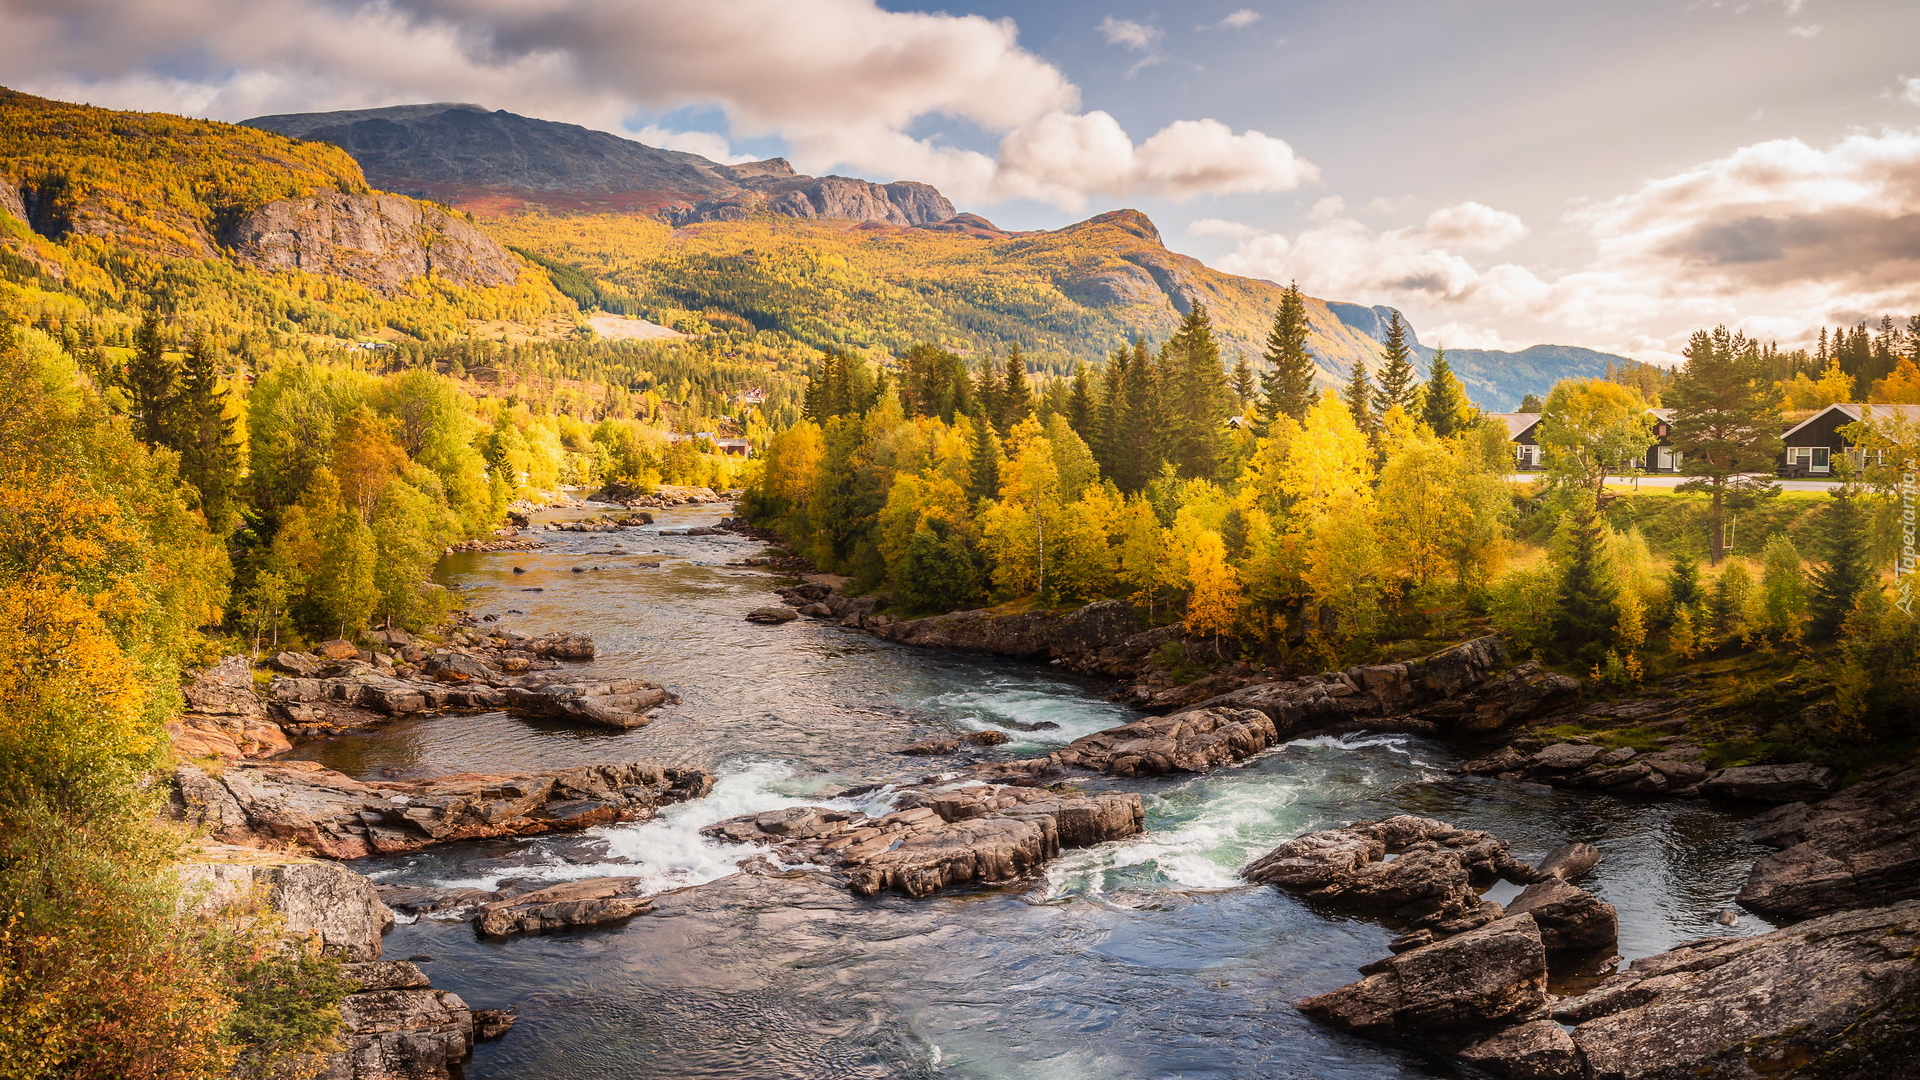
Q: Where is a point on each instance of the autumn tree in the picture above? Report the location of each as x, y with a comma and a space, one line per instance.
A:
1592, 428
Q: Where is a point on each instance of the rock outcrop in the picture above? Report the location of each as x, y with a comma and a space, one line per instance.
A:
301, 806
1770, 783
1678, 768
1192, 741
1860, 848
1495, 973
359, 695
395, 1025
1432, 884
225, 717
934, 839
381, 241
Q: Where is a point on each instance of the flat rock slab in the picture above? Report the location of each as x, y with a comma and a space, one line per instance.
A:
300, 806
1770, 783
1484, 976
934, 839
1857, 849
567, 906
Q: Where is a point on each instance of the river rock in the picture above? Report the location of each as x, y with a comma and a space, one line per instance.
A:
225, 717
357, 694
337, 649
301, 806
936, 838
400, 1032
1770, 783
490, 1025
334, 906
775, 613
569, 905
1833, 997
1859, 848
1192, 741
930, 747
1433, 883
1569, 862
1536, 1050
1478, 978
1568, 916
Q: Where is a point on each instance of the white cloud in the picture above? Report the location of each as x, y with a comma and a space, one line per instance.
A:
1910, 89
705, 143
1330, 207
1128, 34
1238, 20
1777, 238
1811, 30
1220, 227
841, 81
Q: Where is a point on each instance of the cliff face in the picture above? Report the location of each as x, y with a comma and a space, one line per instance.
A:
485, 161
382, 241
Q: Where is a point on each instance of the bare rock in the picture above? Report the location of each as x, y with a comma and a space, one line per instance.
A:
331, 904
1569, 917
570, 905
1434, 882
930, 747
304, 665
300, 806
1833, 997
1537, 1050
1192, 741
938, 838
986, 738
1858, 849
381, 241
1569, 862
1770, 783
491, 1025
1476, 979
337, 650
402, 1034
775, 613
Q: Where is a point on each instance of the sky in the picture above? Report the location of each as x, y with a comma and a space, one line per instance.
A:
1613, 175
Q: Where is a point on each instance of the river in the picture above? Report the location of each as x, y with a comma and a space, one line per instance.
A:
1140, 958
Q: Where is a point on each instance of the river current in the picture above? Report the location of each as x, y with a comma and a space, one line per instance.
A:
1139, 958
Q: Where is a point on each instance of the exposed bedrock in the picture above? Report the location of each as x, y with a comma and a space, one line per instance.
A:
1859, 848
395, 1025
934, 839
301, 806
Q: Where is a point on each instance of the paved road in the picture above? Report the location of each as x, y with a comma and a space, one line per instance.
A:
1675, 481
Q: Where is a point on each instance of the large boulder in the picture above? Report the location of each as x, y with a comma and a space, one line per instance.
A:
1770, 783
1192, 741
935, 838
1860, 848
301, 806
225, 717
1569, 917
398, 1027
332, 905
1433, 883
1482, 977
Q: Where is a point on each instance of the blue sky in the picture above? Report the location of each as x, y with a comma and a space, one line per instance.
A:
1610, 174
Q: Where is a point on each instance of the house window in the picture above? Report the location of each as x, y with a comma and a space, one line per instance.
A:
1663, 459
1526, 455
1821, 458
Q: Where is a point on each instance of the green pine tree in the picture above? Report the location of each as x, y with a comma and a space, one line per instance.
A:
1726, 424
1397, 376
1080, 408
1359, 398
1532, 404
1445, 407
1198, 399
1287, 384
1846, 573
984, 477
1587, 609
1016, 399
206, 437
1242, 383
152, 380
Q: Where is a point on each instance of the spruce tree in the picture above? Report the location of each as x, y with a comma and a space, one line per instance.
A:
1112, 410
1198, 398
1726, 423
1242, 383
1138, 448
206, 436
983, 479
1532, 404
153, 380
1397, 376
1016, 400
1838, 581
1287, 384
1445, 407
1359, 398
1080, 408
1587, 608
1683, 585
989, 396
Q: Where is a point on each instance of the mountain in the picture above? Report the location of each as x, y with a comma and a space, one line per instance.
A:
494, 162
1496, 380
131, 210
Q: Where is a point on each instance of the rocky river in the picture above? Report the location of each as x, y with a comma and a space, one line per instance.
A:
1142, 957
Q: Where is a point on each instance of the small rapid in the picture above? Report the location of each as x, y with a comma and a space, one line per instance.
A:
1140, 958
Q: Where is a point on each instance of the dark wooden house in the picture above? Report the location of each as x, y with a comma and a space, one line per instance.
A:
1814, 443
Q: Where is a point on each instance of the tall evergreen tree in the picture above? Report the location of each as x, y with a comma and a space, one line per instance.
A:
1137, 449
1839, 581
1287, 384
983, 480
1016, 400
206, 436
1198, 397
1112, 410
1587, 609
1445, 407
1242, 382
1397, 377
1359, 398
1726, 423
989, 396
1532, 403
153, 380
1080, 406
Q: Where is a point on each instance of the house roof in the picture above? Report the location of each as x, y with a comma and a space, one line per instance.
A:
1517, 422
1854, 410
1662, 414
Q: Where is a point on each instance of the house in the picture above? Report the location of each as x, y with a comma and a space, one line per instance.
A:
736, 447
1521, 428
1661, 456
1812, 444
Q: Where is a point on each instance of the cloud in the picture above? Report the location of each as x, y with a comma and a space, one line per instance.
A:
1777, 238
1910, 89
1238, 20
1140, 37
1811, 30
705, 143
1219, 227
842, 82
